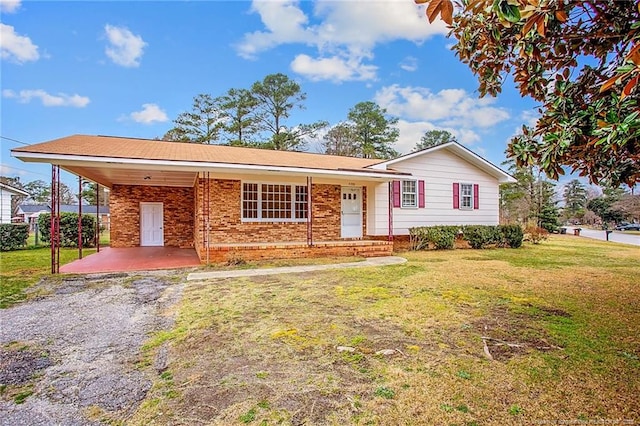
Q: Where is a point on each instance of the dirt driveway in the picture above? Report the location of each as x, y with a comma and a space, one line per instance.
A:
73, 356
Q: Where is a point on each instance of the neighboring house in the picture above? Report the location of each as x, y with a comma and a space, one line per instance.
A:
220, 199
31, 212
6, 192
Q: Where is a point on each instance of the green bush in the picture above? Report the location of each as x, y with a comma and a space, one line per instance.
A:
512, 235
13, 236
69, 229
478, 236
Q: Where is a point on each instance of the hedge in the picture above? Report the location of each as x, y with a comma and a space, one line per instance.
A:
478, 236
13, 236
69, 229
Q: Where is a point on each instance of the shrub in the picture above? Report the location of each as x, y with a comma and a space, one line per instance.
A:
480, 236
418, 238
69, 229
442, 237
511, 235
536, 234
13, 236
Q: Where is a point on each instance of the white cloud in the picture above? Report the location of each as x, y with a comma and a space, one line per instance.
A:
452, 107
15, 47
347, 29
412, 131
125, 48
333, 68
9, 6
409, 64
48, 100
150, 113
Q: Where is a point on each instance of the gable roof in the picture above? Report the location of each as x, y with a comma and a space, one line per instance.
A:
12, 190
462, 152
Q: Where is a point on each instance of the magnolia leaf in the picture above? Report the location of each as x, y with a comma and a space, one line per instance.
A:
528, 25
433, 10
631, 84
446, 12
541, 25
607, 84
562, 16
420, 1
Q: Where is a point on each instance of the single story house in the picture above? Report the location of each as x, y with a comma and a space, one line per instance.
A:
6, 193
234, 201
29, 213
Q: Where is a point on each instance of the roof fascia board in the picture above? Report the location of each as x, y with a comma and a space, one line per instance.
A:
71, 160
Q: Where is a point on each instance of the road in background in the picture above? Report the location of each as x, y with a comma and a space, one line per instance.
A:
615, 236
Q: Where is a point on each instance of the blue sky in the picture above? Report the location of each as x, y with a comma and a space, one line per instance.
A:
128, 68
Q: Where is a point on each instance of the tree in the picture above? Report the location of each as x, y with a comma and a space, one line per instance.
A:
529, 200
575, 199
89, 194
14, 182
433, 138
375, 133
40, 193
340, 140
276, 97
201, 125
579, 59
242, 122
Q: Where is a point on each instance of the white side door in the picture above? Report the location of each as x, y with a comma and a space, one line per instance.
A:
151, 224
351, 206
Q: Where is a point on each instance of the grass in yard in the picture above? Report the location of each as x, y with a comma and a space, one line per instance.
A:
560, 321
23, 268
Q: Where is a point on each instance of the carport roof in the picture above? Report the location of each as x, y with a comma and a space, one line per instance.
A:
94, 156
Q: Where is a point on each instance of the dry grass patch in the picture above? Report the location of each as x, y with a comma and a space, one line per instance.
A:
560, 321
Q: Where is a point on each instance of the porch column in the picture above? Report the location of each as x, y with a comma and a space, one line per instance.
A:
79, 217
309, 211
97, 217
54, 230
390, 237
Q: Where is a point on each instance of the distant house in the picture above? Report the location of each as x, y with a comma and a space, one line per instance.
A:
268, 204
29, 213
6, 192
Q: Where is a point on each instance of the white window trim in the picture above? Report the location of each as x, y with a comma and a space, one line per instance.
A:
462, 206
292, 205
402, 192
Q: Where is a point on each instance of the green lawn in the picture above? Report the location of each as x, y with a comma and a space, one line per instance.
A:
560, 320
23, 268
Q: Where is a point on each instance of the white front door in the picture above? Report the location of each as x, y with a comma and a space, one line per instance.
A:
151, 222
351, 212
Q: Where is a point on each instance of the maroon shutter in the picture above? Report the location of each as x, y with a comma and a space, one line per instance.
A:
456, 195
421, 194
396, 193
476, 196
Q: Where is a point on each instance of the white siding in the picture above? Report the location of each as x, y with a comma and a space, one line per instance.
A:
5, 206
439, 170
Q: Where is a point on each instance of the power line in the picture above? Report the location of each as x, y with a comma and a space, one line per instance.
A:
14, 140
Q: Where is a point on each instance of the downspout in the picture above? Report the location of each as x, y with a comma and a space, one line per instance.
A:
390, 237
309, 211
54, 231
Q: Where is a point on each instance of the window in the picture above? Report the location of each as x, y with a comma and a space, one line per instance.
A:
409, 193
466, 196
274, 202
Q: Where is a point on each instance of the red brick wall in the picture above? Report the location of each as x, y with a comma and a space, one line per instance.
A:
178, 214
226, 226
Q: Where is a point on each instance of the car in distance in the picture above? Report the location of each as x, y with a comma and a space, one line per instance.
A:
628, 227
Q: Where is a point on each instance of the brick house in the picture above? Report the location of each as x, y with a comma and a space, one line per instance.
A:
235, 201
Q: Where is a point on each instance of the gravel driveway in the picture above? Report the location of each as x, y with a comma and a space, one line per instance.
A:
73, 356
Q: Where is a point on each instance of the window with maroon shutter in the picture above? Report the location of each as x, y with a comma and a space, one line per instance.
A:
396, 193
456, 195
476, 196
421, 194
